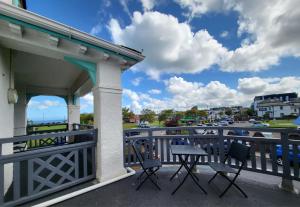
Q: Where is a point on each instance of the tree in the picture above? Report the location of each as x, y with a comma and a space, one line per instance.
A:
202, 113
86, 118
250, 112
165, 114
266, 115
147, 115
193, 112
179, 115
127, 114
228, 111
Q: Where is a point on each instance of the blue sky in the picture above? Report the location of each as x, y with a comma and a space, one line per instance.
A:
205, 53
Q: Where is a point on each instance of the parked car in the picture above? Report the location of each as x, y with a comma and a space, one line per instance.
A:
230, 121
223, 123
144, 125
252, 120
260, 124
206, 131
238, 132
291, 155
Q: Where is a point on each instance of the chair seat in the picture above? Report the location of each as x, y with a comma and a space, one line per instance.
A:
221, 167
151, 163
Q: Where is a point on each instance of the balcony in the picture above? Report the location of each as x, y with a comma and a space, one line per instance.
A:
52, 172
261, 189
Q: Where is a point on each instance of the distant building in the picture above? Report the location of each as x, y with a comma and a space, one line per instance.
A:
276, 108
216, 113
282, 97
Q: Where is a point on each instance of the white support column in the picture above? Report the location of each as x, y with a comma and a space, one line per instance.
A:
108, 121
6, 113
73, 112
20, 113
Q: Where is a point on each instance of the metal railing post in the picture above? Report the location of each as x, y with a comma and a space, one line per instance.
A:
286, 182
124, 147
150, 133
221, 144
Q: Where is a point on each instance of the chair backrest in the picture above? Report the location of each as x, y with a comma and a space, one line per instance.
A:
179, 141
143, 149
239, 151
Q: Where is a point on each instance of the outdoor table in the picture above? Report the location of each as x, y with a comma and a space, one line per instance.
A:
184, 152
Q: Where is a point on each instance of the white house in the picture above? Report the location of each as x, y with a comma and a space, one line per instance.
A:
283, 97
39, 56
277, 108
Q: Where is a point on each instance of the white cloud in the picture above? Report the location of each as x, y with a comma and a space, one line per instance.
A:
184, 94
272, 30
96, 29
154, 91
107, 3
88, 98
148, 4
260, 86
136, 81
200, 7
44, 104
124, 4
224, 34
171, 49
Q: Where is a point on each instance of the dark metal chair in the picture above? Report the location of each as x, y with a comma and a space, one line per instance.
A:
238, 151
143, 148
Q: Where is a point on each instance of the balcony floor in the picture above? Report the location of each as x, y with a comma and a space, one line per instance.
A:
261, 189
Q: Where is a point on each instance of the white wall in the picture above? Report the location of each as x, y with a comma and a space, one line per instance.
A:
108, 120
278, 111
6, 112
73, 112
20, 113
7, 1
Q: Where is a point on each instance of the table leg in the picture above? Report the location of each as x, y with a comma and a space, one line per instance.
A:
181, 183
186, 158
189, 172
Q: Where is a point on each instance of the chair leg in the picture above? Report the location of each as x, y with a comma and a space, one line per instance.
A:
148, 177
140, 176
235, 185
221, 195
213, 177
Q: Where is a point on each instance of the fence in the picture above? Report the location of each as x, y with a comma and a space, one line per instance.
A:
46, 128
36, 173
278, 154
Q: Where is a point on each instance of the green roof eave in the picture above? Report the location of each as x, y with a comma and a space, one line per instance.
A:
64, 36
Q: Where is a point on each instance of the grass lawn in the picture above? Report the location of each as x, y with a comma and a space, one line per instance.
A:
285, 123
54, 127
134, 125
129, 125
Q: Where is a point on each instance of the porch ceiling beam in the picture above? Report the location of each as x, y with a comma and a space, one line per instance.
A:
38, 90
79, 82
16, 29
88, 66
82, 49
40, 46
53, 41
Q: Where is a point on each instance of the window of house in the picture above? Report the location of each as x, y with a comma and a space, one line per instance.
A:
281, 107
